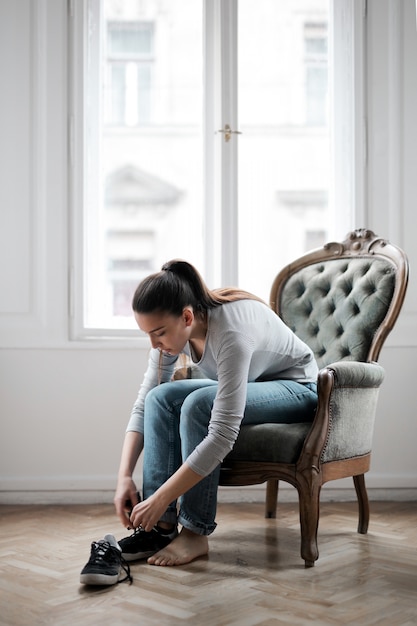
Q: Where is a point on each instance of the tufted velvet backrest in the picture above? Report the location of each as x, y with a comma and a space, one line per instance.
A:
343, 300
336, 306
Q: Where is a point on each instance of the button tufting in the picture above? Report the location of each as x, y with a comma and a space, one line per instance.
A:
371, 289
344, 351
308, 307
347, 288
300, 289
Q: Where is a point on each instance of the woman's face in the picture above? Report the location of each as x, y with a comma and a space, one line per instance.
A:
167, 332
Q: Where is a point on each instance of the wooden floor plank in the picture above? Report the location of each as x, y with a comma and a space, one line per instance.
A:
253, 576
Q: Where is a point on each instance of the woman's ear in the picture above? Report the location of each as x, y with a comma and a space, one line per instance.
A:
188, 315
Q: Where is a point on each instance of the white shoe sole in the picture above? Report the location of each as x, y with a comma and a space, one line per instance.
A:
98, 579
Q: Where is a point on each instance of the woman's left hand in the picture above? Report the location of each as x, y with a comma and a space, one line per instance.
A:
148, 513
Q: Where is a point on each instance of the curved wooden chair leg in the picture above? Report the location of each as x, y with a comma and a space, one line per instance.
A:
271, 498
309, 498
363, 502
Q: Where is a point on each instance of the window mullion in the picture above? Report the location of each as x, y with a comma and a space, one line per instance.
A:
212, 161
229, 107
221, 212
348, 107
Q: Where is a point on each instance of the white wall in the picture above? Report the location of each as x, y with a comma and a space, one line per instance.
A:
64, 405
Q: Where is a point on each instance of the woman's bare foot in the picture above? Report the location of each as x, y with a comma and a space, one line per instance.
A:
186, 547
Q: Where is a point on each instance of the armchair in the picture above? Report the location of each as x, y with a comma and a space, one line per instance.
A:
342, 300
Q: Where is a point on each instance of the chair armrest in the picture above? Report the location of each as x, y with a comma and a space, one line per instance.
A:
356, 374
350, 402
344, 421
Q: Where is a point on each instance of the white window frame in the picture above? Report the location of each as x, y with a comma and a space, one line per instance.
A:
348, 131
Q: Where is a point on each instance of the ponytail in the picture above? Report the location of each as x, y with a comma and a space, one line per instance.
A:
178, 285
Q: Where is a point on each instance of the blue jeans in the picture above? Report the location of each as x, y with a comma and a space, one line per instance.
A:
177, 415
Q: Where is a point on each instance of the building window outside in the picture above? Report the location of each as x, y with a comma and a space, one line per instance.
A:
316, 72
315, 238
136, 206
129, 60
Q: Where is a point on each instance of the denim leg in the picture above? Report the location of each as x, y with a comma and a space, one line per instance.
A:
162, 448
278, 401
199, 504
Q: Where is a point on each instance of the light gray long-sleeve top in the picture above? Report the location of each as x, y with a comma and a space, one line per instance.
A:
245, 342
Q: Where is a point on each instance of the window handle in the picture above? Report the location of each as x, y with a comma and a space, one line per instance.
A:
228, 132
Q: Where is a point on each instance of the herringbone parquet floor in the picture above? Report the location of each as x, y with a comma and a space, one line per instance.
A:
253, 575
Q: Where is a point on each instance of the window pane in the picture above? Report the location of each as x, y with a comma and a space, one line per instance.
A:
284, 145
146, 205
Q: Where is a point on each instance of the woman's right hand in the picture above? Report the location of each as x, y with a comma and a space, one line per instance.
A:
125, 498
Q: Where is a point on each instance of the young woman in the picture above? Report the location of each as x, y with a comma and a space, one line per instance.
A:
256, 370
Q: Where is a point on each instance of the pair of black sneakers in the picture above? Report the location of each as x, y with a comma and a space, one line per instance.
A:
109, 559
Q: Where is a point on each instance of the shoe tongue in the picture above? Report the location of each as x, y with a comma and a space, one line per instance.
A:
111, 540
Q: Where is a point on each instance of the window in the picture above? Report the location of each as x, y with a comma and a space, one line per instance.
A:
154, 174
138, 190
283, 159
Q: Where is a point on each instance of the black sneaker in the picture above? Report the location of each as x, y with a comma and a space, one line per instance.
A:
105, 564
142, 544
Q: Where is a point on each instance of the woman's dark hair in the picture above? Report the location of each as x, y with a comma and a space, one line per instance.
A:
178, 285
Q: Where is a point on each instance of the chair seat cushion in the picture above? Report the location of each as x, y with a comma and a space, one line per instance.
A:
269, 443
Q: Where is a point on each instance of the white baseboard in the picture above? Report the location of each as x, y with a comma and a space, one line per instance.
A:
226, 495
97, 489
107, 483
